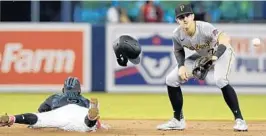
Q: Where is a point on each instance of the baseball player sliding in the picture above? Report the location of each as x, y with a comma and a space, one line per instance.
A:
215, 50
67, 111
70, 94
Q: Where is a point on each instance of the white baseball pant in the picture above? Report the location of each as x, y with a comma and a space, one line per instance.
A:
70, 118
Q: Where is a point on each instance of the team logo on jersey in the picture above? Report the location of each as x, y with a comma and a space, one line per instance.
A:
189, 47
202, 46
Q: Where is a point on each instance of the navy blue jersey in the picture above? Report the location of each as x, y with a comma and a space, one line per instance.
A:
62, 99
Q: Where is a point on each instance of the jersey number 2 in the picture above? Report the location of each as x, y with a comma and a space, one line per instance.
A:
73, 100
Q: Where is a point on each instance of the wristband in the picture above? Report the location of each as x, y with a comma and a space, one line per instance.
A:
220, 50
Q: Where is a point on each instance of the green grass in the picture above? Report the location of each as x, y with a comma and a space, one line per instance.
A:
148, 106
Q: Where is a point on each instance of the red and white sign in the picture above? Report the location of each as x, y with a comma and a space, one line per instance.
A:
40, 57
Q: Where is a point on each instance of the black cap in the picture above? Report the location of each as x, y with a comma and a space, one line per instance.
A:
183, 9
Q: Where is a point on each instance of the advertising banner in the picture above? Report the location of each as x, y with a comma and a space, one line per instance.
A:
248, 73
39, 57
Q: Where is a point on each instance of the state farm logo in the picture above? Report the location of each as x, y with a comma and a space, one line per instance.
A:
23, 60
38, 56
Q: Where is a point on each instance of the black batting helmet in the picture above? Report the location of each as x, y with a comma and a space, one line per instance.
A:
130, 48
72, 84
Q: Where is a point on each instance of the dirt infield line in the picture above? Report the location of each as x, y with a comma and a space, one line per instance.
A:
146, 128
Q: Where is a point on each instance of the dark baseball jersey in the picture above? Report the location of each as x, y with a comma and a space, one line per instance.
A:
62, 99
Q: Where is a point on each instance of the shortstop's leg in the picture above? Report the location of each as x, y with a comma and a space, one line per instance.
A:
176, 98
221, 71
173, 82
174, 93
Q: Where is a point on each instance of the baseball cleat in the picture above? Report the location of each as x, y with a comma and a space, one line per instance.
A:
6, 120
173, 124
93, 113
240, 125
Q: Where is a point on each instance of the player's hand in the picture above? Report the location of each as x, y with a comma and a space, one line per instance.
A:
182, 72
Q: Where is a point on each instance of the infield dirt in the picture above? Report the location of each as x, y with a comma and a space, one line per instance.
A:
146, 128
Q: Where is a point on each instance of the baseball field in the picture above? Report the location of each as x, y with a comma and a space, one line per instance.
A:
139, 114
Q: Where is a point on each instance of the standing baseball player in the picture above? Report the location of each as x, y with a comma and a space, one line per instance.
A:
207, 41
68, 111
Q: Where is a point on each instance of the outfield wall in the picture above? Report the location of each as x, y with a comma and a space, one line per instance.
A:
38, 57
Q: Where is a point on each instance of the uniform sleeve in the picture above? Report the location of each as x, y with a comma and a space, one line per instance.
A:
176, 44
46, 105
211, 32
86, 101
179, 52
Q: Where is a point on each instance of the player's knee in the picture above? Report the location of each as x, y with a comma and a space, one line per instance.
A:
221, 82
172, 81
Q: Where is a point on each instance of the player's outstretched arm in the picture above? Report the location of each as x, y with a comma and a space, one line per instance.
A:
86, 101
46, 105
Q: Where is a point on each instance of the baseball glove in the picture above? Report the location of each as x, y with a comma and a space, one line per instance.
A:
201, 67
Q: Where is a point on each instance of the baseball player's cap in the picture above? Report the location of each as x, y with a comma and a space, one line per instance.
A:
183, 9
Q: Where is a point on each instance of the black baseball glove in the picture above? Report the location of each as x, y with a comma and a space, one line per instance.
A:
202, 66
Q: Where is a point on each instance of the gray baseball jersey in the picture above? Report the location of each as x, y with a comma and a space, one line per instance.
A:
204, 41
